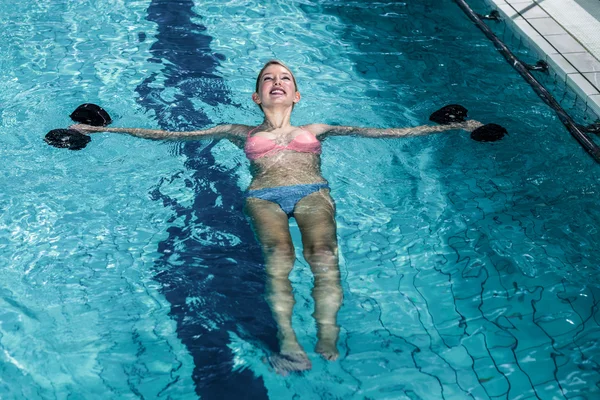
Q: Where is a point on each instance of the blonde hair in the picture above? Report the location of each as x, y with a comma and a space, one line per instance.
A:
275, 62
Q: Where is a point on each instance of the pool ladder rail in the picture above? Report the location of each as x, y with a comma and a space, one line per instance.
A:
576, 130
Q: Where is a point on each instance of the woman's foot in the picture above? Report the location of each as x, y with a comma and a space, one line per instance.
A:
291, 356
327, 335
284, 363
327, 350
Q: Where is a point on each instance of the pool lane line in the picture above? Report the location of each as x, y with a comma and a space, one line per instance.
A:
541, 91
211, 268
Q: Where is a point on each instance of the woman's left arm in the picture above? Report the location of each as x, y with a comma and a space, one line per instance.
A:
322, 130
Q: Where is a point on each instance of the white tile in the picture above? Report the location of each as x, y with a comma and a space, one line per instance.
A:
529, 11
525, 27
594, 103
581, 86
580, 17
565, 44
496, 2
506, 11
520, 2
584, 62
547, 26
594, 78
560, 65
541, 45
589, 115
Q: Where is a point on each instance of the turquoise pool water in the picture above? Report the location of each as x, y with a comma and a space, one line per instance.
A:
470, 270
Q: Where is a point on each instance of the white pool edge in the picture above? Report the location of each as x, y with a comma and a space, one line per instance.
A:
572, 54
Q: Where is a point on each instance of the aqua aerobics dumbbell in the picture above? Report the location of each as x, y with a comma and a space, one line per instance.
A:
88, 113
456, 113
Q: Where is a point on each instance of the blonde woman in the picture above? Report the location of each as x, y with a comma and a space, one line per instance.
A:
287, 182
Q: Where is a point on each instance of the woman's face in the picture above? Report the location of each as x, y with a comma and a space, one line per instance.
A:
276, 86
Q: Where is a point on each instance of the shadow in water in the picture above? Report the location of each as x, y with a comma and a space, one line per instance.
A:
211, 269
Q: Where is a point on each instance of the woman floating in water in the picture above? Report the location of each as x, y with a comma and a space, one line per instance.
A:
287, 182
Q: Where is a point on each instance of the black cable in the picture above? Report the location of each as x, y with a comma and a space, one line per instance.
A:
571, 126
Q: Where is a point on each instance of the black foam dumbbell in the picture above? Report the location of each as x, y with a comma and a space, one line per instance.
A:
489, 133
456, 113
88, 113
449, 114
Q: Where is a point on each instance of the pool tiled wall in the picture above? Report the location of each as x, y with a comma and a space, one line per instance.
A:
565, 34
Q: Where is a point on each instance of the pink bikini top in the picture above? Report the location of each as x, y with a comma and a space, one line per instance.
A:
257, 146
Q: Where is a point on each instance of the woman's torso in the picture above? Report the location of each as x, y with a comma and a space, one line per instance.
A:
283, 157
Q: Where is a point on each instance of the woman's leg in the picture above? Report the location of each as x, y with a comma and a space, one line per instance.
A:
271, 227
315, 215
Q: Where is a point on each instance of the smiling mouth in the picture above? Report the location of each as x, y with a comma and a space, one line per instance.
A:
277, 91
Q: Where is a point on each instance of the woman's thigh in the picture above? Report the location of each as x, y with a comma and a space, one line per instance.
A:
270, 225
315, 215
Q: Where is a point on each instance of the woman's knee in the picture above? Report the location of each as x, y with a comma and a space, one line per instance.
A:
279, 249
323, 254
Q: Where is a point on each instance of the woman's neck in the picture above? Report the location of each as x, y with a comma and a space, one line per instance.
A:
277, 118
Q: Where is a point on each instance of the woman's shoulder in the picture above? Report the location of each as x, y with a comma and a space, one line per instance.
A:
316, 129
235, 130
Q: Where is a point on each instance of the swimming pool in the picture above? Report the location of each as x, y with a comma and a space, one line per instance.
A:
469, 270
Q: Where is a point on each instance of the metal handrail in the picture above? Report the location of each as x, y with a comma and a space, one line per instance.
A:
569, 123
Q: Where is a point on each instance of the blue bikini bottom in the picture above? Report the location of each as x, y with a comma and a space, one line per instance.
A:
286, 196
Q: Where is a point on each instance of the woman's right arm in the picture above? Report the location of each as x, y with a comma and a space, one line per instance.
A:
217, 132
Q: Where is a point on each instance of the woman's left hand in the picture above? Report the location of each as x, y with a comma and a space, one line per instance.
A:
470, 125
86, 128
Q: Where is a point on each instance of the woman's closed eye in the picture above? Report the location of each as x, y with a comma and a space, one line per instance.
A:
268, 78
